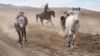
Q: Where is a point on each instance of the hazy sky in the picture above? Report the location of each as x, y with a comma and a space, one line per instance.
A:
88, 4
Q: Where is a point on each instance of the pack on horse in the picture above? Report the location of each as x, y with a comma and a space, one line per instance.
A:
45, 15
20, 25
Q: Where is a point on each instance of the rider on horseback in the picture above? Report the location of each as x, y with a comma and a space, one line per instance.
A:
46, 9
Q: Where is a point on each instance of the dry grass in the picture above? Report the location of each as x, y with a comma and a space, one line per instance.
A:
46, 41
49, 43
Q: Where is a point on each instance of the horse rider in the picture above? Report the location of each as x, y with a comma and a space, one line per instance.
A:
46, 9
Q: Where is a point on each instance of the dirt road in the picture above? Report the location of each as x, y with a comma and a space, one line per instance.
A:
8, 47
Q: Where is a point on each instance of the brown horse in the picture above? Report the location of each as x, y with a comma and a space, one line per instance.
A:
20, 26
46, 17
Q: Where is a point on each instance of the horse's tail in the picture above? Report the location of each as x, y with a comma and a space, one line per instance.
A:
37, 17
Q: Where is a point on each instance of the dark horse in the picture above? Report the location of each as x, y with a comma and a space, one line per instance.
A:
47, 17
63, 20
21, 29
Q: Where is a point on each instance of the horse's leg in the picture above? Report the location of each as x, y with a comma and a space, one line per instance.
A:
74, 35
18, 32
69, 40
19, 36
25, 34
63, 27
51, 21
70, 36
47, 22
42, 21
37, 17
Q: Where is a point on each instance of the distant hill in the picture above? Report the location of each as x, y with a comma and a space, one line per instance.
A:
14, 7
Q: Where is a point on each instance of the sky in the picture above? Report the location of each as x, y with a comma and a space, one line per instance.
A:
87, 4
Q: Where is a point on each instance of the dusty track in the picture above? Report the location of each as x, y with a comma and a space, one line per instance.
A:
8, 47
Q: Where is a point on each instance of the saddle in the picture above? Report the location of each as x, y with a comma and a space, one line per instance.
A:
45, 13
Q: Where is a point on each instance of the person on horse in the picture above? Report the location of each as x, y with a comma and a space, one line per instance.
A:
46, 9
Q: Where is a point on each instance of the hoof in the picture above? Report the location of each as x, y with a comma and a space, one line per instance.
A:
68, 46
25, 40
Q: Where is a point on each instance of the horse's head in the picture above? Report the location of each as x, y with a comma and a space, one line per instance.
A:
52, 13
76, 10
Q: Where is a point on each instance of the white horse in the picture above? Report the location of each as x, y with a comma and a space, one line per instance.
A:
72, 25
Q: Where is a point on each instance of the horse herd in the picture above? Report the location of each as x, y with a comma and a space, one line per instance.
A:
69, 22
